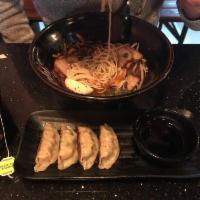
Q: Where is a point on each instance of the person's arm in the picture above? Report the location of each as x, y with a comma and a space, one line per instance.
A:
190, 12
14, 25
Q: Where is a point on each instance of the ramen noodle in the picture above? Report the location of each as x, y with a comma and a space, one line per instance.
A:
101, 69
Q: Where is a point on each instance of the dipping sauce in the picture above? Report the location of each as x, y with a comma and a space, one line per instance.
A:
166, 136
163, 137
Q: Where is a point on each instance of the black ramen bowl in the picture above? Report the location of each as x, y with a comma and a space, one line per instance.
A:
155, 47
166, 136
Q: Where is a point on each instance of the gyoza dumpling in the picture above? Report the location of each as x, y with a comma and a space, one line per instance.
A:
68, 152
88, 147
48, 148
108, 147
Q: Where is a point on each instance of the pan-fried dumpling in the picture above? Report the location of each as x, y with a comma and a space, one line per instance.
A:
48, 148
88, 147
68, 152
108, 147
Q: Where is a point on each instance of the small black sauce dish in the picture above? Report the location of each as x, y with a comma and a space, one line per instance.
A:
165, 136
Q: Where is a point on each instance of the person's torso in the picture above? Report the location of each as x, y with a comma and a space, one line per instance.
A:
56, 9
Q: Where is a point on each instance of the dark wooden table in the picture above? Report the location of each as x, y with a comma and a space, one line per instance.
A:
22, 93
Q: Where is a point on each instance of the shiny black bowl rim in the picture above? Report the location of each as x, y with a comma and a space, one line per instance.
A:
154, 157
163, 75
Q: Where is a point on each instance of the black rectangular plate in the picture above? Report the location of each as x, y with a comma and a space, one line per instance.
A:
129, 165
